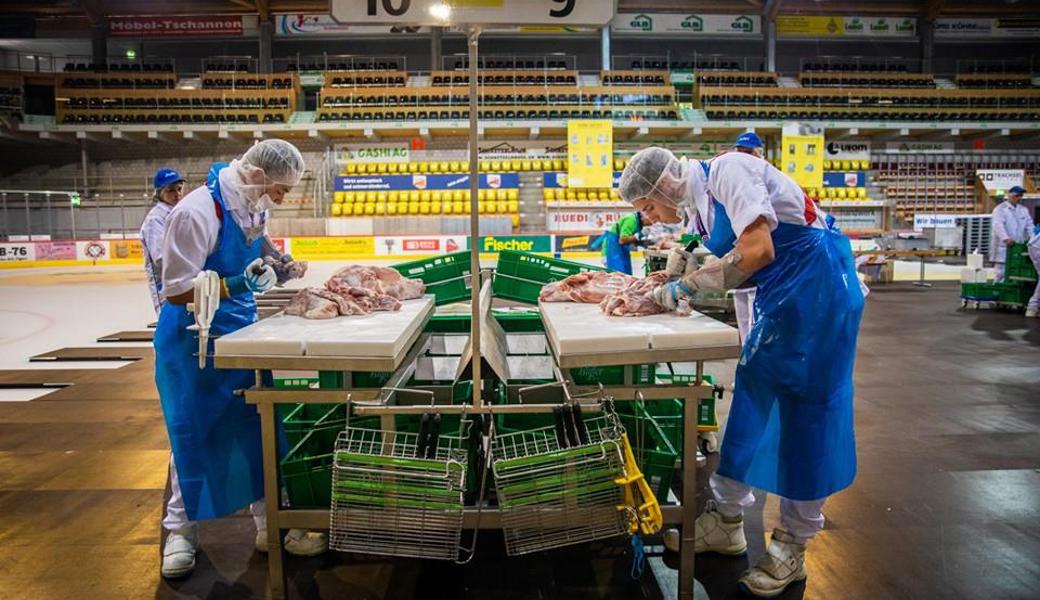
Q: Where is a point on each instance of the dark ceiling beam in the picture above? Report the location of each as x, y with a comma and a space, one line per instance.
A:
935, 8
771, 9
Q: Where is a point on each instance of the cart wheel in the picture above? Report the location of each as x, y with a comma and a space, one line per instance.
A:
709, 442
976, 306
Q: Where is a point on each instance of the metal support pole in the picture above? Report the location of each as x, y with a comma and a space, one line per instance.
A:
436, 47
28, 218
604, 47
84, 160
473, 36
770, 44
927, 32
7, 222
266, 38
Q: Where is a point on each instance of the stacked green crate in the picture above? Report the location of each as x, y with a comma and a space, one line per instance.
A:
655, 454
447, 277
520, 276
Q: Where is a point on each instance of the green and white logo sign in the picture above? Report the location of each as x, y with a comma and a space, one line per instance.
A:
688, 24
693, 23
642, 23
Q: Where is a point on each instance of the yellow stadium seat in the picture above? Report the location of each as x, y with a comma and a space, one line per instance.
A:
426, 167
391, 167
604, 195
438, 195
559, 164
485, 165
841, 193
413, 196
501, 195
337, 210
572, 195
861, 193
496, 166
458, 207
525, 165
370, 209
435, 167
460, 196
351, 197
424, 208
512, 194
435, 207
393, 196
548, 194
391, 209
380, 208
380, 167
614, 194
380, 196
413, 208
513, 206
481, 193
337, 197
351, 168
827, 165
536, 165
456, 166
583, 196
619, 164
516, 221
560, 194
445, 166
370, 196
424, 196
448, 207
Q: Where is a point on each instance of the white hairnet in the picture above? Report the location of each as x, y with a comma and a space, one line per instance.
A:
652, 173
280, 161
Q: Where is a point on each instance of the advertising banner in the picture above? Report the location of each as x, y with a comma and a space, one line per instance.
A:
998, 180
126, 249
523, 243
987, 28
925, 221
590, 151
425, 182
803, 159
852, 26
177, 26
573, 243
296, 25
919, 147
848, 150
376, 154
559, 180
687, 24
332, 248
582, 220
410, 245
55, 250
17, 252
844, 179
93, 251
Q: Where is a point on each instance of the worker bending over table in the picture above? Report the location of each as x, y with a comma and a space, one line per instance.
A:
790, 429
214, 434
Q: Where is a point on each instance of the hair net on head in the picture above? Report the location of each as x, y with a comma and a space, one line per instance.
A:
280, 161
648, 173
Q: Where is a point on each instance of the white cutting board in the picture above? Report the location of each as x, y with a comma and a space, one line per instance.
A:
379, 334
584, 329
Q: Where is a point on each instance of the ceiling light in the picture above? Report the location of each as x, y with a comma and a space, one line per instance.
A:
440, 11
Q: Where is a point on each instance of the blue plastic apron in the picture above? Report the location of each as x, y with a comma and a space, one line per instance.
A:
214, 434
790, 429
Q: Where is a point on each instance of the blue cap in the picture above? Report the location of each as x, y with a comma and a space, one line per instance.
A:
748, 140
1016, 189
165, 177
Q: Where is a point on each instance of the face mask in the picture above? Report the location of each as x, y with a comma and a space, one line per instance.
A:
263, 203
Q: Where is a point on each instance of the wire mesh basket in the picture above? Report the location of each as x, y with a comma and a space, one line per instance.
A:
554, 494
399, 494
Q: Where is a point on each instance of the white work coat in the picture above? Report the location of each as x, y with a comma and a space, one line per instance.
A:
1010, 222
152, 230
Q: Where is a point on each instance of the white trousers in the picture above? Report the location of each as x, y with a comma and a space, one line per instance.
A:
744, 305
998, 271
802, 519
1034, 255
177, 517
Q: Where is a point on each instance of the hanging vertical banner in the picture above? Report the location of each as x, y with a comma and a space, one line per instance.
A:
590, 154
803, 159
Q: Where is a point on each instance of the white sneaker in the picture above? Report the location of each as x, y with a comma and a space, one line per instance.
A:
298, 542
782, 565
179, 553
1033, 313
713, 533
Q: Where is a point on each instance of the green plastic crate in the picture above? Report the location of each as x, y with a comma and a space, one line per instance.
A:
1019, 265
512, 321
1015, 292
520, 276
446, 277
641, 375
980, 291
654, 453
307, 476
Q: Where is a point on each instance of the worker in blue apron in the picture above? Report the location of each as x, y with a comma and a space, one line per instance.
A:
214, 434
790, 429
616, 242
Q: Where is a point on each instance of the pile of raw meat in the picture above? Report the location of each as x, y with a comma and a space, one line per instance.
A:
617, 294
355, 290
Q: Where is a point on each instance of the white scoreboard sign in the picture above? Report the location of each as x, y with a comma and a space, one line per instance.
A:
474, 12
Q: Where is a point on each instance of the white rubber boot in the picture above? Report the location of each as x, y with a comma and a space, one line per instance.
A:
1033, 313
782, 565
179, 553
298, 542
713, 533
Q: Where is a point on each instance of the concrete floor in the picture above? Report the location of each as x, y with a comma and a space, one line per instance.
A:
945, 504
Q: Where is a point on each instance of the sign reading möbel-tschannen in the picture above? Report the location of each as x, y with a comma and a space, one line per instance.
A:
475, 12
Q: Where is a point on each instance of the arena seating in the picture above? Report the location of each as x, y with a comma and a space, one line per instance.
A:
365, 78
92, 107
118, 80
866, 79
737, 78
995, 80
506, 77
145, 67
252, 81
511, 63
869, 104
851, 66
344, 65
635, 77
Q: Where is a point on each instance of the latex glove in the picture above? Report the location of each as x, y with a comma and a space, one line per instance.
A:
679, 262
671, 294
257, 278
285, 268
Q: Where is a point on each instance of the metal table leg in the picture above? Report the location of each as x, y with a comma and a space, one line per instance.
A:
689, 494
920, 280
276, 582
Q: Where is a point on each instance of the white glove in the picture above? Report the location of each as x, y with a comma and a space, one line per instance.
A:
680, 262
259, 277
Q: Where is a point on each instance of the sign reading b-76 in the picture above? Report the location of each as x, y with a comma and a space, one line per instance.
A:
474, 12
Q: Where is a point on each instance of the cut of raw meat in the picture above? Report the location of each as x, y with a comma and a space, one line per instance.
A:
355, 290
636, 299
286, 269
378, 279
587, 288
